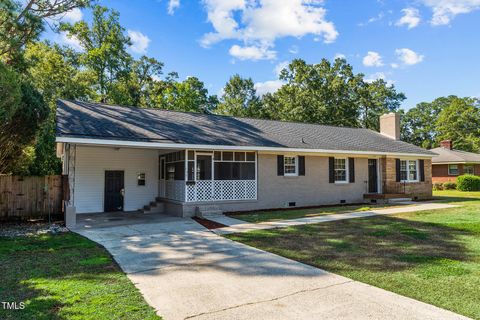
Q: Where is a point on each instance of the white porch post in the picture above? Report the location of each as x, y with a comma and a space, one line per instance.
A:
185, 178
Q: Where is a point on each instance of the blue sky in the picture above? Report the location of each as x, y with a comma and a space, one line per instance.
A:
426, 48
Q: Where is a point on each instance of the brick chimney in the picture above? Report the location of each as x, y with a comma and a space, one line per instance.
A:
447, 144
390, 125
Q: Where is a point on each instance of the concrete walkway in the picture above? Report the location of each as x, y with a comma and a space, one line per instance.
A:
235, 225
187, 272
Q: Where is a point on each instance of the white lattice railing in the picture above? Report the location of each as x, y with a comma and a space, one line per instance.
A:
218, 190
172, 189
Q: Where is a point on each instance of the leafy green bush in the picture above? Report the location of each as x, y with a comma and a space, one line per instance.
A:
449, 185
468, 182
437, 186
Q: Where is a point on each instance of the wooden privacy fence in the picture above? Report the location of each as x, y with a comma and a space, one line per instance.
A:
30, 197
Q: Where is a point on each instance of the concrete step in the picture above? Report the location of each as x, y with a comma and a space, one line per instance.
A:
203, 211
208, 207
209, 214
154, 207
397, 200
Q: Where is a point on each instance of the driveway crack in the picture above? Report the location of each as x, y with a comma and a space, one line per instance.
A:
268, 300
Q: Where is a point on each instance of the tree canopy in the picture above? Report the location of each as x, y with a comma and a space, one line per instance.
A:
450, 117
239, 98
330, 93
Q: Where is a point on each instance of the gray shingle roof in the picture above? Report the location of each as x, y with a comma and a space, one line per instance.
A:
454, 156
99, 121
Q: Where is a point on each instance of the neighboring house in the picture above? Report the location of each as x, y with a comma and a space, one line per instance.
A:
122, 158
451, 163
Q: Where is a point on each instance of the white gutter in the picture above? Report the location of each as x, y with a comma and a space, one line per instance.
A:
159, 145
457, 162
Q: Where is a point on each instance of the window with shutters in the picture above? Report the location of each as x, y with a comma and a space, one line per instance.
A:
468, 169
409, 170
341, 170
453, 169
290, 166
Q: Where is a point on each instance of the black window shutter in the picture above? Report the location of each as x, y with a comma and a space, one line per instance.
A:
397, 169
279, 165
301, 165
331, 170
422, 169
351, 169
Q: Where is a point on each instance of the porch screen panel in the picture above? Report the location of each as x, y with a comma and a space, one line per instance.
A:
174, 175
234, 178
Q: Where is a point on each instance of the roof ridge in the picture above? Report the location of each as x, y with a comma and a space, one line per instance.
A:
215, 115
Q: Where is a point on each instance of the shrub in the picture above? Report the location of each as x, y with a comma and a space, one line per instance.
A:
449, 185
468, 182
438, 186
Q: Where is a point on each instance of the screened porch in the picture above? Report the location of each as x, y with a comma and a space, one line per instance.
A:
199, 176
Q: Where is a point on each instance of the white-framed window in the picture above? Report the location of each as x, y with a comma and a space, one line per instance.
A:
141, 179
290, 166
340, 170
468, 169
453, 169
408, 170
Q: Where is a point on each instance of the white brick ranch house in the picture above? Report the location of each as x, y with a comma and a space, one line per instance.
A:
124, 158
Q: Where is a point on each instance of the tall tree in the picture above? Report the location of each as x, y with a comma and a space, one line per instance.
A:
239, 98
330, 93
419, 123
55, 73
22, 112
460, 121
375, 99
135, 88
23, 21
105, 48
189, 95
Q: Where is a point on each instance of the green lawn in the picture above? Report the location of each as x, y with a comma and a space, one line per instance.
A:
432, 256
65, 276
276, 215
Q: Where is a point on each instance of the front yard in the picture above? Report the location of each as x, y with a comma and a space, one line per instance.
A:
65, 276
431, 256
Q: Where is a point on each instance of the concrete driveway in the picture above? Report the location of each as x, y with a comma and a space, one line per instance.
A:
187, 272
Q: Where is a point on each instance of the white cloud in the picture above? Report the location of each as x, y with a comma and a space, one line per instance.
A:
293, 50
140, 41
379, 75
73, 16
378, 17
339, 56
280, 66
70, 41
445, 10
252, 53
408, 57
260, 23
410, 18
268, 86
372, 59
172, 6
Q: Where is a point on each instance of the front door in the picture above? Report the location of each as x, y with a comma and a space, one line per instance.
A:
372, 176
114, 189
203, 177
204, 167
